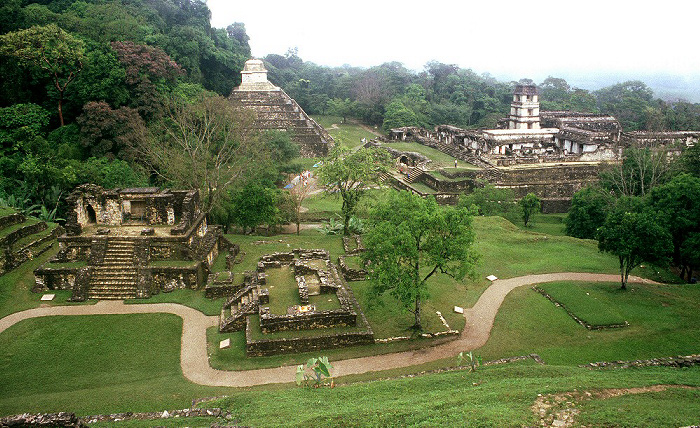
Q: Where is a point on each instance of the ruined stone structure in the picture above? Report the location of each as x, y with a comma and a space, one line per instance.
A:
525, 108
278, 111
119, 244
551, 153
23, 240
247, 308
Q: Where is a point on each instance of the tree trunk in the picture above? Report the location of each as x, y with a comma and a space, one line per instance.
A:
346, 225
297, 227
417, 326
623, 276
60, 108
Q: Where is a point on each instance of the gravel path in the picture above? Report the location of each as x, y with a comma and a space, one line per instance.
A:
195, 362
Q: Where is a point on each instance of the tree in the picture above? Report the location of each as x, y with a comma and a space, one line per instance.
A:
297, 194
48, 48
634, 237
530, 204
489, 200
411, 239
253, 205
641, 170
678, 204
398, 115
107, 131
341, 107
589, 207
207, 145
347, 173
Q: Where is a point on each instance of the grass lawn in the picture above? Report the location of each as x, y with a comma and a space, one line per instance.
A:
664, 321
95, 364
322, 202
548, 224
350, 134
440, 159
284, 291
193, 298
594, 303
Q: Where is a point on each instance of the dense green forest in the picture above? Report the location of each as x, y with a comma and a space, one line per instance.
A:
100, 91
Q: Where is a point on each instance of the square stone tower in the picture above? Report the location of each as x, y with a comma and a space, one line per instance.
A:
525, 108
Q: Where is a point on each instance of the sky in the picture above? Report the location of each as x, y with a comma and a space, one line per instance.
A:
508, 39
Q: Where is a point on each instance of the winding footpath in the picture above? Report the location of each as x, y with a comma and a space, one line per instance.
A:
195, 362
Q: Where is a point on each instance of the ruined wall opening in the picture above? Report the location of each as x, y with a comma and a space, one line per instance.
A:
91, 215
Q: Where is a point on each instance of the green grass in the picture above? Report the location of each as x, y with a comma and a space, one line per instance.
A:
440, 159
193, 298
95, 364
508, 251
325, 302
283, 288
350, 134
7, 211
593, 303
673, 407
220, 262
322, 202
6, 231
664, 321
423, 188
34, 237
16, 285
354, 262
548, 224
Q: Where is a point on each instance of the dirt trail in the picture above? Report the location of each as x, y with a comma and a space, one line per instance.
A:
195, 362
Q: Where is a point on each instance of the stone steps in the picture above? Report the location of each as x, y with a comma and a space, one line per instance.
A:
116, 278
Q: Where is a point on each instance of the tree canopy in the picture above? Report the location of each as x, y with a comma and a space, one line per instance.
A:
411, 239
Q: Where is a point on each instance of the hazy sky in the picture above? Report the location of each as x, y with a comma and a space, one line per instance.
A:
503, 37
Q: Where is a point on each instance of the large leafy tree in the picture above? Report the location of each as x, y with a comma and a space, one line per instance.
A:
206, 144
348, 173
589, 207
410, 240
529, 205
678, 203
253, 205
49, 49
641, 170
634, 236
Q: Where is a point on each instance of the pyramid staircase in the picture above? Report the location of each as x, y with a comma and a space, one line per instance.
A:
116, 277
277, 110
237, 307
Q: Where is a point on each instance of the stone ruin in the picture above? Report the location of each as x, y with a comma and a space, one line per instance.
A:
276, 110
314, 275
131, 243
560, 152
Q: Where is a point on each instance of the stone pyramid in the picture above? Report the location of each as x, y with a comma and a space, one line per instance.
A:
277, 110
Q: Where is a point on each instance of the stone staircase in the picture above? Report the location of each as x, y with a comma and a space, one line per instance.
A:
413, 175
237, 307
116, 277
277, 110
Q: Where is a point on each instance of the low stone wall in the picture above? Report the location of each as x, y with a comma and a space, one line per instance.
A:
270, 323
61, 419
349, 273
680, 361
74, 249
20, 233
169, 278
11, 219
264, 347
353, 244
49, 278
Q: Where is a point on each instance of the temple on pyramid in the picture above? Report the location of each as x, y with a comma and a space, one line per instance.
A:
277, 110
